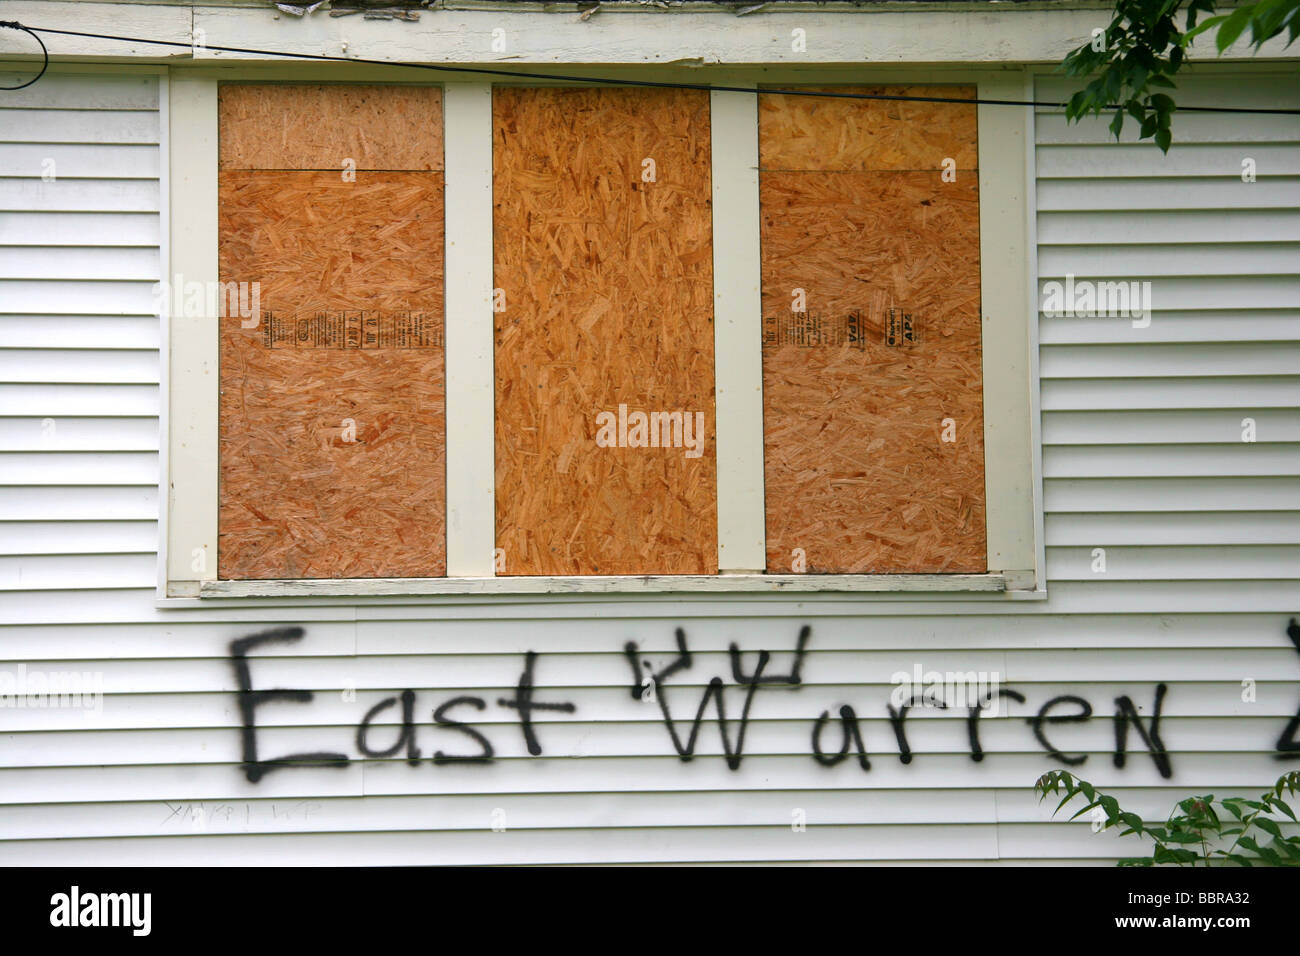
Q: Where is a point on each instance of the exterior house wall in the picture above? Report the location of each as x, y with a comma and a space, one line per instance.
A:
1143, 456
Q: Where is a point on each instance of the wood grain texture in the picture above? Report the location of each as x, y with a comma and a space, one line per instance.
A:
823, 134
332, 458
855, 213
608, 294
318, 126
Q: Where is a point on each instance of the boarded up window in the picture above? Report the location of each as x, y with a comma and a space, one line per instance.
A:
604, 338
873, 423
332, 430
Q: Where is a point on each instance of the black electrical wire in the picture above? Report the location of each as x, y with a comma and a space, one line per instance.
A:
45, 62
608, 81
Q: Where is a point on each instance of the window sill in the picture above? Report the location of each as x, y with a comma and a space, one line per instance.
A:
630, 584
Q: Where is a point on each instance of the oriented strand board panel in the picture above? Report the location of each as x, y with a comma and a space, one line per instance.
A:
332, 403
872, 391
324, 126
603, 264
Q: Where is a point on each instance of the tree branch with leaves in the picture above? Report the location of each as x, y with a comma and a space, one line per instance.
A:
1135, 58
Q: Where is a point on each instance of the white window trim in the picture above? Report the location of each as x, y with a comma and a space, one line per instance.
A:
1016, 552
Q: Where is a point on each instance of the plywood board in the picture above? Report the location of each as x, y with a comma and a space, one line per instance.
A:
332, 398
603, 264
872, 389
323, 126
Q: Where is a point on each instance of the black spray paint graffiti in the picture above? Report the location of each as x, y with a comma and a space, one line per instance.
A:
1287, 746
1064, 709
255, 767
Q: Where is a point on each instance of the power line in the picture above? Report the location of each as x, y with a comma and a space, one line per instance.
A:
602, 81
45, 62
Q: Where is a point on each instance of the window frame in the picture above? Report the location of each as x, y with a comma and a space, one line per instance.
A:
1013, 473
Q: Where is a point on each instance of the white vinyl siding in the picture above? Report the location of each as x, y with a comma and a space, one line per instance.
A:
1142, 456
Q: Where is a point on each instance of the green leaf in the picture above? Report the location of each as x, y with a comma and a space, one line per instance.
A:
1269, 827
1232, 28
1082, 811
1117, 123
1158, 80
1191, 34
1163, 139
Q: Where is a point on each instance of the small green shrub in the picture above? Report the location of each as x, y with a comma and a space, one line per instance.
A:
1195, 833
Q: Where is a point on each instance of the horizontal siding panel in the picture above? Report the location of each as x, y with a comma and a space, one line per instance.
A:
525, 811
1190, 293
1188, 159
1188, 259
576, 775
1175, 562
104, 297
102, 91
53, 160
1173, 527
219, 712
827, 676
70, 607
188, 635
71, 468
79, 434
535, 847
105, 401
926, 734
80, 331
1171, 198
1259, 392
80, 126
1113, 361
71, 503
1168, 426
81, 228
78, 537
1131, 461
79, 366
79, 195
1169, 494
540, 811
71, 263
1053, 129
1096, 225
1273, 90
86, 571
1206, 326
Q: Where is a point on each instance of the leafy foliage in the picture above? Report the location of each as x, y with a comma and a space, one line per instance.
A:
1195, 832
1137, 55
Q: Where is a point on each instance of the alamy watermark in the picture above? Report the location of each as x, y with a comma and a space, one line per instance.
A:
1088, 298
947, 689
74, 690
651, 430
194, 299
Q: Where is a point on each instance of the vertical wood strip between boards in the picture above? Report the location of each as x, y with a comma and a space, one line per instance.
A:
737, 296
471, 485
